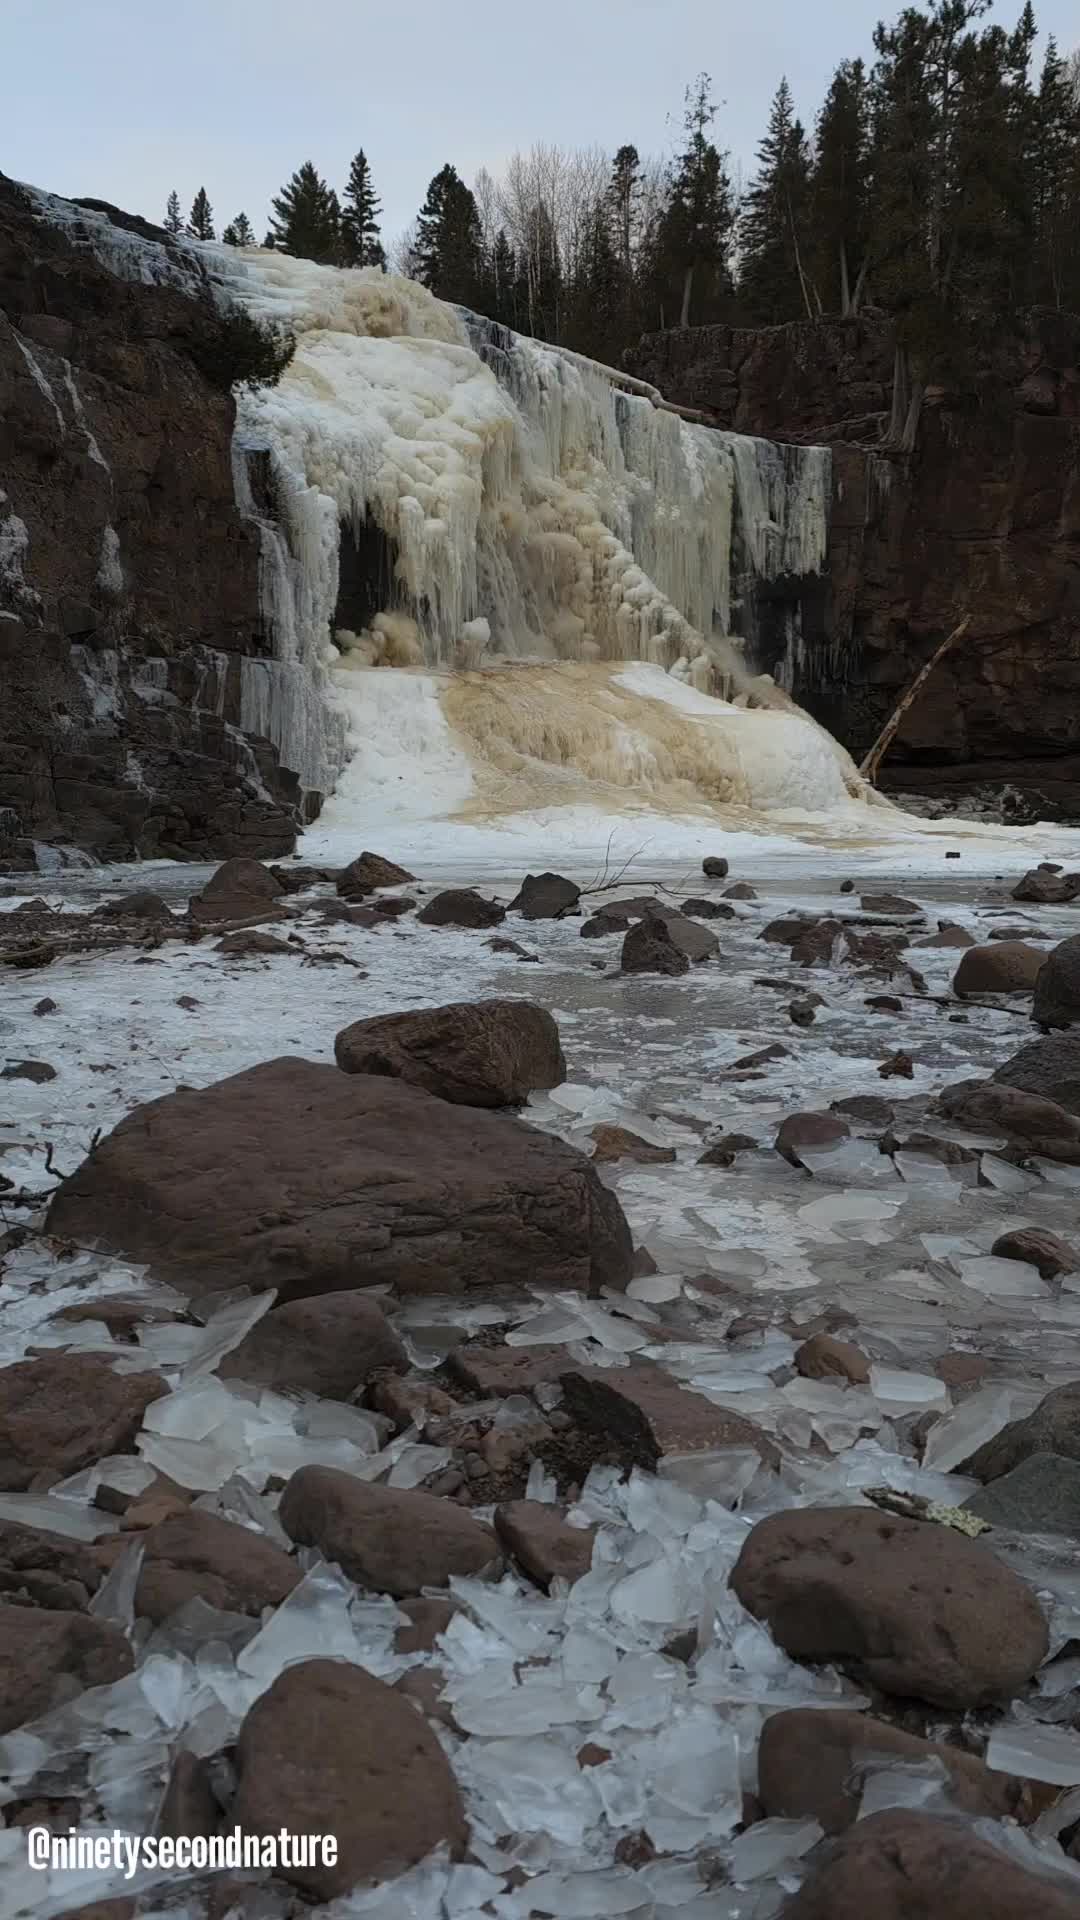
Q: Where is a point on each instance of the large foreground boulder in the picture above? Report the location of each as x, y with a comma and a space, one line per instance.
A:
62, 1411
1007, 966
481, 1053
919, 1609
1057, 993
240, 890
328, 1749
987, 1106
913, 1866
295, 1176
1049, 1068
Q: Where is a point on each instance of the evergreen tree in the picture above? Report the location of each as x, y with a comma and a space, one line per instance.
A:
449, 249
840, 211
695, 238
201, 217
774, 227
598, 295
1055, 185
306, 220
174, 219
361, 245
624, 194
239, 232
499, 284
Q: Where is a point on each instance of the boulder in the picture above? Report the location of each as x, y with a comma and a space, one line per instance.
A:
241, 889
809, 1761
497, 1372
1047, 888
1057, 994
949, 936
914, 1866
545, 896
618, 1143
603, 924
427, 1618
248, 943
543, 1543
367, 873
1037, 1125
462, 907
816, 944
63, 1411
809, 1130
1006, 966
1041, 1495
919, 1609
189, 1809
395, 1540
140, 905
199, 1555
715, 868
645, 1415
742, 890
699, 909
1054, 1427
331, 1346
889, 903
650, 948
328, 1749
696, 942
296, 1176
1049, 1068
38, 1072
50, 1657
1038, 1248
823, 1357
482, 1053
39, 1569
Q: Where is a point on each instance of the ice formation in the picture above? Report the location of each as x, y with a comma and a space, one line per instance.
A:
459, 498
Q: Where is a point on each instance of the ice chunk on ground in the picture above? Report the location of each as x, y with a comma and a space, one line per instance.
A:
975, 1421
769, 1846
1036, 1752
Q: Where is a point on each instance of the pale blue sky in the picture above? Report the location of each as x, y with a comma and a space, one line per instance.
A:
124, 99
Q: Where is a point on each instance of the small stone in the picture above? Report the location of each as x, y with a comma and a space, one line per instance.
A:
428, 1617
497, 1372
462, 907
48, 1657
885, 1003
802, 1012
189, 1809
822, 1356
1038, 1248
700, 909
592, 1755
330, 1345
715, 868
1041, 1495
649, 948
898, 1066
742, 890
722, 1152
543, 1543
410, 1402
367, 873
961, 1369
645, 1415
604, 923
545, 896
423, 1688
393, 1540
44, 1007
40, 1569
809, 1130
38, 1071
888, 903
618, 1143
201, 1555
949, 936
761, 1058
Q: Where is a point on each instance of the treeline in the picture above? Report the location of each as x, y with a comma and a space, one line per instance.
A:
940, 184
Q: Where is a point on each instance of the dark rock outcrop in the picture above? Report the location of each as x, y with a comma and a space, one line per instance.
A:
297, 1176
125, 623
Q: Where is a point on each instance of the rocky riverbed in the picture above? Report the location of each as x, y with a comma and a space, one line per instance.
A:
611, 1446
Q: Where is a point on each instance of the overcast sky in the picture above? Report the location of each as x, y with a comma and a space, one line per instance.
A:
124, 99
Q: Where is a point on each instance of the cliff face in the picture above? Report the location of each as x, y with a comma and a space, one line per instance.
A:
128, 581
983, 518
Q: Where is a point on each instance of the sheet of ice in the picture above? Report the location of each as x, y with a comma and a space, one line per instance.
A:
961, 1433
1036, 1752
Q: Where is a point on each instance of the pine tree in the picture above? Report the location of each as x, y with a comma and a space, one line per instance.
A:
694, 244
839, 223
239, 232
774, 228
361, 245
1055, 184
596, 323
449, 250
306, 220
624, 194
201, 217
174, 219
499, 283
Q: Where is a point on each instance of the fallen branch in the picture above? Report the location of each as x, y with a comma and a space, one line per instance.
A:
884, 740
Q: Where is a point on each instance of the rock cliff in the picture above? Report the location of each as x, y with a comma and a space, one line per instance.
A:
128, 581
982, 518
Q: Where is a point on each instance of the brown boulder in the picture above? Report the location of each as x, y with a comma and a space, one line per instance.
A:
330, 1345
1057, 995
241, 889
808, 1763
496, 1372
189, 1808
809, 1130
649, 947
367, 873
39, 1569
462, 907
918, 1608
914, 1866
989, 1107
62, 1411
1007, 966
198, 1555
296, 1176
394, 1540
545, 896
949, 936
1052, 1255
645, 1415
715, 867
699, 909
543, 1542
49, 1657
328, 1749
893, 903
481, 1053
1054, 1427
1049, 1067
1047, 888
816, 945
618, 1143
427, 1618
822, 1357
601, 924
